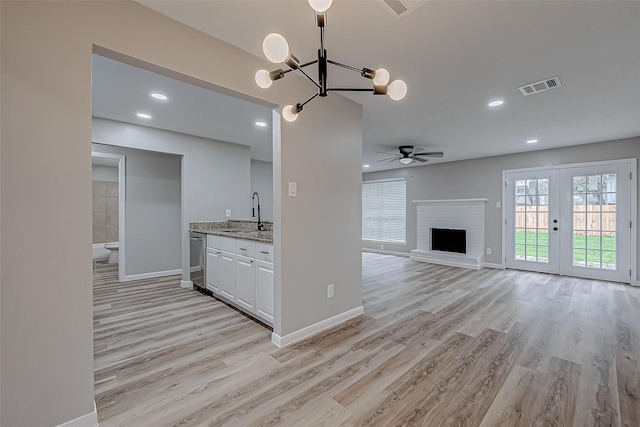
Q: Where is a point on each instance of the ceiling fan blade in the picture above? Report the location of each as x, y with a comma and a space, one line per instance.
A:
389, 159
387, 153
430, 154
420, 159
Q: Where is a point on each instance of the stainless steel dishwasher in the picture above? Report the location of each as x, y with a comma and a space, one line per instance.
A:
198, 250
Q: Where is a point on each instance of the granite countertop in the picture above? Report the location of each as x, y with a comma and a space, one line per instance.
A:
236, 228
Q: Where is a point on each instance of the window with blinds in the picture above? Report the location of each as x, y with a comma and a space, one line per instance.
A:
384, 211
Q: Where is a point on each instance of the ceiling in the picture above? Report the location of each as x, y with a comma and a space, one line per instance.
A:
455, 56
120, 91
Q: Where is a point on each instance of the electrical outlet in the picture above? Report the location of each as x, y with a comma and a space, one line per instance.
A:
498, 204
488, 251
381, 247
228, 213
330, 291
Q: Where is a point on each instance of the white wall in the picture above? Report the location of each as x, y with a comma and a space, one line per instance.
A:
321, 226
482, 178
47, 337
104, 173
215, 175
152, 210
262, 182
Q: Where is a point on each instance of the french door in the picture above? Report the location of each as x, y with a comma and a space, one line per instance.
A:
573, 220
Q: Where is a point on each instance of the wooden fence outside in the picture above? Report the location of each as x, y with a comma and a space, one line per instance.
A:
591, 219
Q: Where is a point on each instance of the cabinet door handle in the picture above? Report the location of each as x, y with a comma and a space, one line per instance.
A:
264, 252
243, 249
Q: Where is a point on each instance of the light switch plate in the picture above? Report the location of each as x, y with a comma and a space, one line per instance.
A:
228, 213
498, 204
330, 291
293, 189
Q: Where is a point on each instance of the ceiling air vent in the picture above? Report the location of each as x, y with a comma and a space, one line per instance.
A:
541, 86
401, 8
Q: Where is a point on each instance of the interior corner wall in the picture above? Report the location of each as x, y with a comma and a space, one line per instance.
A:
152, 210
46, 134
262, 183
482, 178
322, 223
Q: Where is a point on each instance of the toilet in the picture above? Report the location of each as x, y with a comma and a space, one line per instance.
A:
113, 252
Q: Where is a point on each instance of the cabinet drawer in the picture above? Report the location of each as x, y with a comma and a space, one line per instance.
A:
264, 251
246, 248
220, 242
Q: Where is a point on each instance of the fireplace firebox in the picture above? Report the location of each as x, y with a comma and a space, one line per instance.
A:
449, 240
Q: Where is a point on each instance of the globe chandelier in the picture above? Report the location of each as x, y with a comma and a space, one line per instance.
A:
276, 49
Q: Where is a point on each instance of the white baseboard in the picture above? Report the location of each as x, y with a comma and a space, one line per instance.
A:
87, 420
315, 328
496, 266
187, 284
385, 252
153, 275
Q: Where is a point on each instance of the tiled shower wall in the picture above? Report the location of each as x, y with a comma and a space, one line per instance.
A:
105, 211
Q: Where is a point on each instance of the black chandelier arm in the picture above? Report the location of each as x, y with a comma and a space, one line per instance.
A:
309, 77
299, 106
349, 89
349, 67
306, 64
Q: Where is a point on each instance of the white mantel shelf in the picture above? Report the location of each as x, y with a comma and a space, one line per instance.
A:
453, 201
462, 214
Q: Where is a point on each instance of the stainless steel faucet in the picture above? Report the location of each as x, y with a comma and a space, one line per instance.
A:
253, 209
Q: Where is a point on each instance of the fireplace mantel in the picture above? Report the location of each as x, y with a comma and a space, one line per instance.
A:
464, 214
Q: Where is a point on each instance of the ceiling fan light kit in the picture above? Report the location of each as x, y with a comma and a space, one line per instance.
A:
276, 49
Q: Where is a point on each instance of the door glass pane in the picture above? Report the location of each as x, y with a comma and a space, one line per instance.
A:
532, 220
594, 221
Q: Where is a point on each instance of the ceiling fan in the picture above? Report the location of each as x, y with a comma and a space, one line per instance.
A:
408, 155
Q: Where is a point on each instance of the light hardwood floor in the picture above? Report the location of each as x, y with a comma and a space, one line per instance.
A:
437, 346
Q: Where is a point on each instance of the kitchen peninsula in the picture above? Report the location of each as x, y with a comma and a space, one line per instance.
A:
238, 264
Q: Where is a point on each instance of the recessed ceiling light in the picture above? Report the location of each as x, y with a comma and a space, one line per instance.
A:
261, 124
143, 115
159, 96
366, 166
531, 141
496, 103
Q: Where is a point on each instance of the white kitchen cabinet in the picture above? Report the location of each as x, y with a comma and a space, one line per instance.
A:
264, 290
214, 270
228, 278
240, 272
245, 279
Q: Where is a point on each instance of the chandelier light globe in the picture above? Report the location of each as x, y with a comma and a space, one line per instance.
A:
406, 160
263, 79
288, 114
320, 6
381, 78
397, 90
275, 48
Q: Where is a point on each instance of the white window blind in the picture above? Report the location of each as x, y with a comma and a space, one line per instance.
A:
384, 211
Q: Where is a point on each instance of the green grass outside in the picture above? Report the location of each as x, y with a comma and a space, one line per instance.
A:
588, 247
